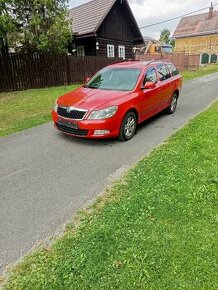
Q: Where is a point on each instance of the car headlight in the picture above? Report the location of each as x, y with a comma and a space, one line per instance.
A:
103, 114
55, 106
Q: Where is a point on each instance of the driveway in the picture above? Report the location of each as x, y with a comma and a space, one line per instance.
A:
45, 177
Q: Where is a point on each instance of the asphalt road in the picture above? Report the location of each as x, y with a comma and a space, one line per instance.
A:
45, 177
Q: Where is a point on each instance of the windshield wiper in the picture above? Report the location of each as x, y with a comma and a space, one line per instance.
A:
92, 87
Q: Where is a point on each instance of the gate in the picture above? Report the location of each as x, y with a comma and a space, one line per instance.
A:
204, 58
213, 58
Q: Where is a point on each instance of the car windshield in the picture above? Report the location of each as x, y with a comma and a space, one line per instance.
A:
116, 79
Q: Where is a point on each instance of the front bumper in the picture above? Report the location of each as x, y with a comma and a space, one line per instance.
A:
87, 128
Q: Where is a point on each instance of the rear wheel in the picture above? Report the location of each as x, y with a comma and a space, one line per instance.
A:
128, 127
173, 105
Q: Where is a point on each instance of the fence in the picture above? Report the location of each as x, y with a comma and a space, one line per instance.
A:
26, 71
181, 61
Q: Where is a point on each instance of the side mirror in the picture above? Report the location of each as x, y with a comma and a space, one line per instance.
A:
87, 80
149, 86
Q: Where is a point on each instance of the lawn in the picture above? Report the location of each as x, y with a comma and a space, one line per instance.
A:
155, 229
204, 70
25, 109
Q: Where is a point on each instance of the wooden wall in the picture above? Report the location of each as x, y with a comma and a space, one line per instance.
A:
115, 26
103, 47
89, 45
198, 44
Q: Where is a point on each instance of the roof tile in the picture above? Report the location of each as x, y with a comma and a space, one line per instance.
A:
197, 25
87, 17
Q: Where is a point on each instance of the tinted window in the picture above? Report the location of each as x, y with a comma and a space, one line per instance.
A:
174, 71
163, 72
150, 76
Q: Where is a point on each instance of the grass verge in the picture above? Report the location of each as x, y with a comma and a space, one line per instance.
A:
25, 109
155, 229
204, 70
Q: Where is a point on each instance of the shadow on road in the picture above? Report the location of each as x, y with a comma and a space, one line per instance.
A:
107, 142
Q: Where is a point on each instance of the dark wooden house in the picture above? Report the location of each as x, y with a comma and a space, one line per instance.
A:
105, 28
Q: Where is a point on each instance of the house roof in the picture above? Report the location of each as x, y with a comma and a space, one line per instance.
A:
147, 39
88, 17
195, 25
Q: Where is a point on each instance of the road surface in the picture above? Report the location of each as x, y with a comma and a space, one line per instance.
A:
45, 177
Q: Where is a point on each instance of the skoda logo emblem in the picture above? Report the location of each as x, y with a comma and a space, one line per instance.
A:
69, 109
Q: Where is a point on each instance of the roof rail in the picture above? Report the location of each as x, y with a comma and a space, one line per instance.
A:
156, 60
124, 60
147, 62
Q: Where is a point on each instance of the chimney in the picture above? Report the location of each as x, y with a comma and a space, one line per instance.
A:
210, 15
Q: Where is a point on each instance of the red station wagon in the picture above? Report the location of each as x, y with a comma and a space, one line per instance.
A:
118, 98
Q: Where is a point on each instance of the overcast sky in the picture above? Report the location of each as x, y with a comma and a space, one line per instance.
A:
151, 11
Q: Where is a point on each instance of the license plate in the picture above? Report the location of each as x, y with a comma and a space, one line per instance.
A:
67, 123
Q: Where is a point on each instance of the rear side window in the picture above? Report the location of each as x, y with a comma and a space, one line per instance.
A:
163, 72
173, 70
150, 76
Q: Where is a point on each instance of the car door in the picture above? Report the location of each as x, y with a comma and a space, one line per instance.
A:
176, 79
149, 98
164, 85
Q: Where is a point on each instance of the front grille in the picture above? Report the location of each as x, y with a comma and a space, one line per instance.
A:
77, 132
74, 114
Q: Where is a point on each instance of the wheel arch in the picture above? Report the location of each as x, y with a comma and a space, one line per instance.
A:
134, 111
176, 92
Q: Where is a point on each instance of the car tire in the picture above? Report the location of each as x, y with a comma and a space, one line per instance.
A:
173, 105
128, 127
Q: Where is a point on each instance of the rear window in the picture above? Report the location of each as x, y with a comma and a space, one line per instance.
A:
163, 72
173, 70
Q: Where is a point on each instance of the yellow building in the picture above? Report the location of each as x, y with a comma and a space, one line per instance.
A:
198, 34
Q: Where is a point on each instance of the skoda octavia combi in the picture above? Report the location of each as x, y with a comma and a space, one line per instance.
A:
118, 98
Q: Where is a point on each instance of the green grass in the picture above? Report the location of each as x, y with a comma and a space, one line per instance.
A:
204, 70
25, 109
155, 229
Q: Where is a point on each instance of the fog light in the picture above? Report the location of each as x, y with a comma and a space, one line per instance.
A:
101, 132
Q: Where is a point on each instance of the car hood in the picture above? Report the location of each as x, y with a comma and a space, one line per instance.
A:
90, 99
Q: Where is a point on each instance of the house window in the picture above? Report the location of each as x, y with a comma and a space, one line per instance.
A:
80, 50
121, 51
110, 50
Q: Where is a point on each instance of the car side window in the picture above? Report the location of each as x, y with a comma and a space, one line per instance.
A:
174, 71
150, 76
163, 72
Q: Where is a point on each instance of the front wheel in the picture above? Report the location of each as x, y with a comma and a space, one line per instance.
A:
128, 127
173, 105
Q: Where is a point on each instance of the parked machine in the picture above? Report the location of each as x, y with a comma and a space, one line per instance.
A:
154, 47
158, 47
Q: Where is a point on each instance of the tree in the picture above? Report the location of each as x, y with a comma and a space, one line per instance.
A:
172, 42
165, 36
8, 26
41, 25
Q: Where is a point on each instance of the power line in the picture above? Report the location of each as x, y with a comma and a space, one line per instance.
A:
171, 19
